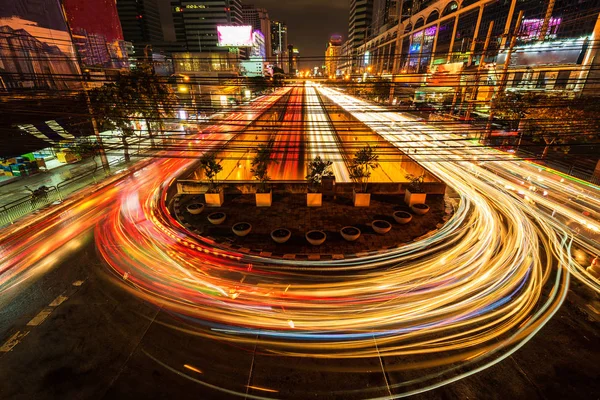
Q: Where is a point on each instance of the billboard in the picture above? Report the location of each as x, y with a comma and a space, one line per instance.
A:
234, 36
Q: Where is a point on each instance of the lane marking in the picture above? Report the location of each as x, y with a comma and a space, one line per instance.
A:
263, 389
13, 341
58, 301
192, 368
78, 283
41, 317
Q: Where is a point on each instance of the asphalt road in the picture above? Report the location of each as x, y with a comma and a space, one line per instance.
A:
88, 338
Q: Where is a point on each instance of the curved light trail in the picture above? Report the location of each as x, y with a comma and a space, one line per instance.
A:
457, 301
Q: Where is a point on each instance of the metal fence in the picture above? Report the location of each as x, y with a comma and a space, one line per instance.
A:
16, 209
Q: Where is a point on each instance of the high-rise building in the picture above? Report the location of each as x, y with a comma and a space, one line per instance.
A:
258, 18
97, 32
196, 22
140, 20
279, 43
385, 13
361, 15
332, 55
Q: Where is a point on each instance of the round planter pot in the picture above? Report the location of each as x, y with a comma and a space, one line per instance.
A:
420, 208
402, 217
241, 228
195, 208
380, 226
217, 218
281, 235
350, 233
316, 238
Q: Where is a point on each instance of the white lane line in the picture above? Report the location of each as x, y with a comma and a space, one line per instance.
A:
13, 341
58, 301
41, 317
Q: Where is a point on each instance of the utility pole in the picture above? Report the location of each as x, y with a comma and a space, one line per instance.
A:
504, 76
478, 73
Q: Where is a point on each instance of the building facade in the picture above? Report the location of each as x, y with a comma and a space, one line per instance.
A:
196, 22
333, 56
361, 18
140, 21
258, 18
279, 43
442, 44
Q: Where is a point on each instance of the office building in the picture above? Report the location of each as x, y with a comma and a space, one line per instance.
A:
196, 22
279, 43
140, 21
333, 55
361, 18
258, 18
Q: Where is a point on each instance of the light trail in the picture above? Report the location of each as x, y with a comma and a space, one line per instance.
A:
321, 137
449, 305
525, 182
288, 142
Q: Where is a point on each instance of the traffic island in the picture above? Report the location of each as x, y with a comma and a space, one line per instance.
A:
289, 211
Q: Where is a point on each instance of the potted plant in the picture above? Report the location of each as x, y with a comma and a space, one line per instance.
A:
364, 162
402, 217
214, 197
381, 226
316, 237
317, 170
260, 171
241, 228
281, 235
195, 208
217, 218
350, 233
420, 208
415, 192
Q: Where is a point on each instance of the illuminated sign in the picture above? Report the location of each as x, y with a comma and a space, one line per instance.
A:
195, 6
367, 57
234, 36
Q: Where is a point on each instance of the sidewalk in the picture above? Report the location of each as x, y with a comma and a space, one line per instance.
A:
12, 188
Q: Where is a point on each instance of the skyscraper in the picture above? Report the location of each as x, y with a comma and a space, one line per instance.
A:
140, 20
196, 22
384, 12
259, 19
361, 16
332, 55
279, 43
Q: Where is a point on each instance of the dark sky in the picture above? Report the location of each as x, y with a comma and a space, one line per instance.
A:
310, 23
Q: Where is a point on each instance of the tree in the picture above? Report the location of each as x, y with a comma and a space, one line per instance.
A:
211, 168
259, 84
260, 164
317, 169
88, 149
278, 76
415, 183
113, 109
561, 121
137, 93
154, 100
512, 107
364, 162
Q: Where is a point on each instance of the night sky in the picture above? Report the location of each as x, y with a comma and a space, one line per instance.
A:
310, 23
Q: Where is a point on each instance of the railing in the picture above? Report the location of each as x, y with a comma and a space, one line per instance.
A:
16, 209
